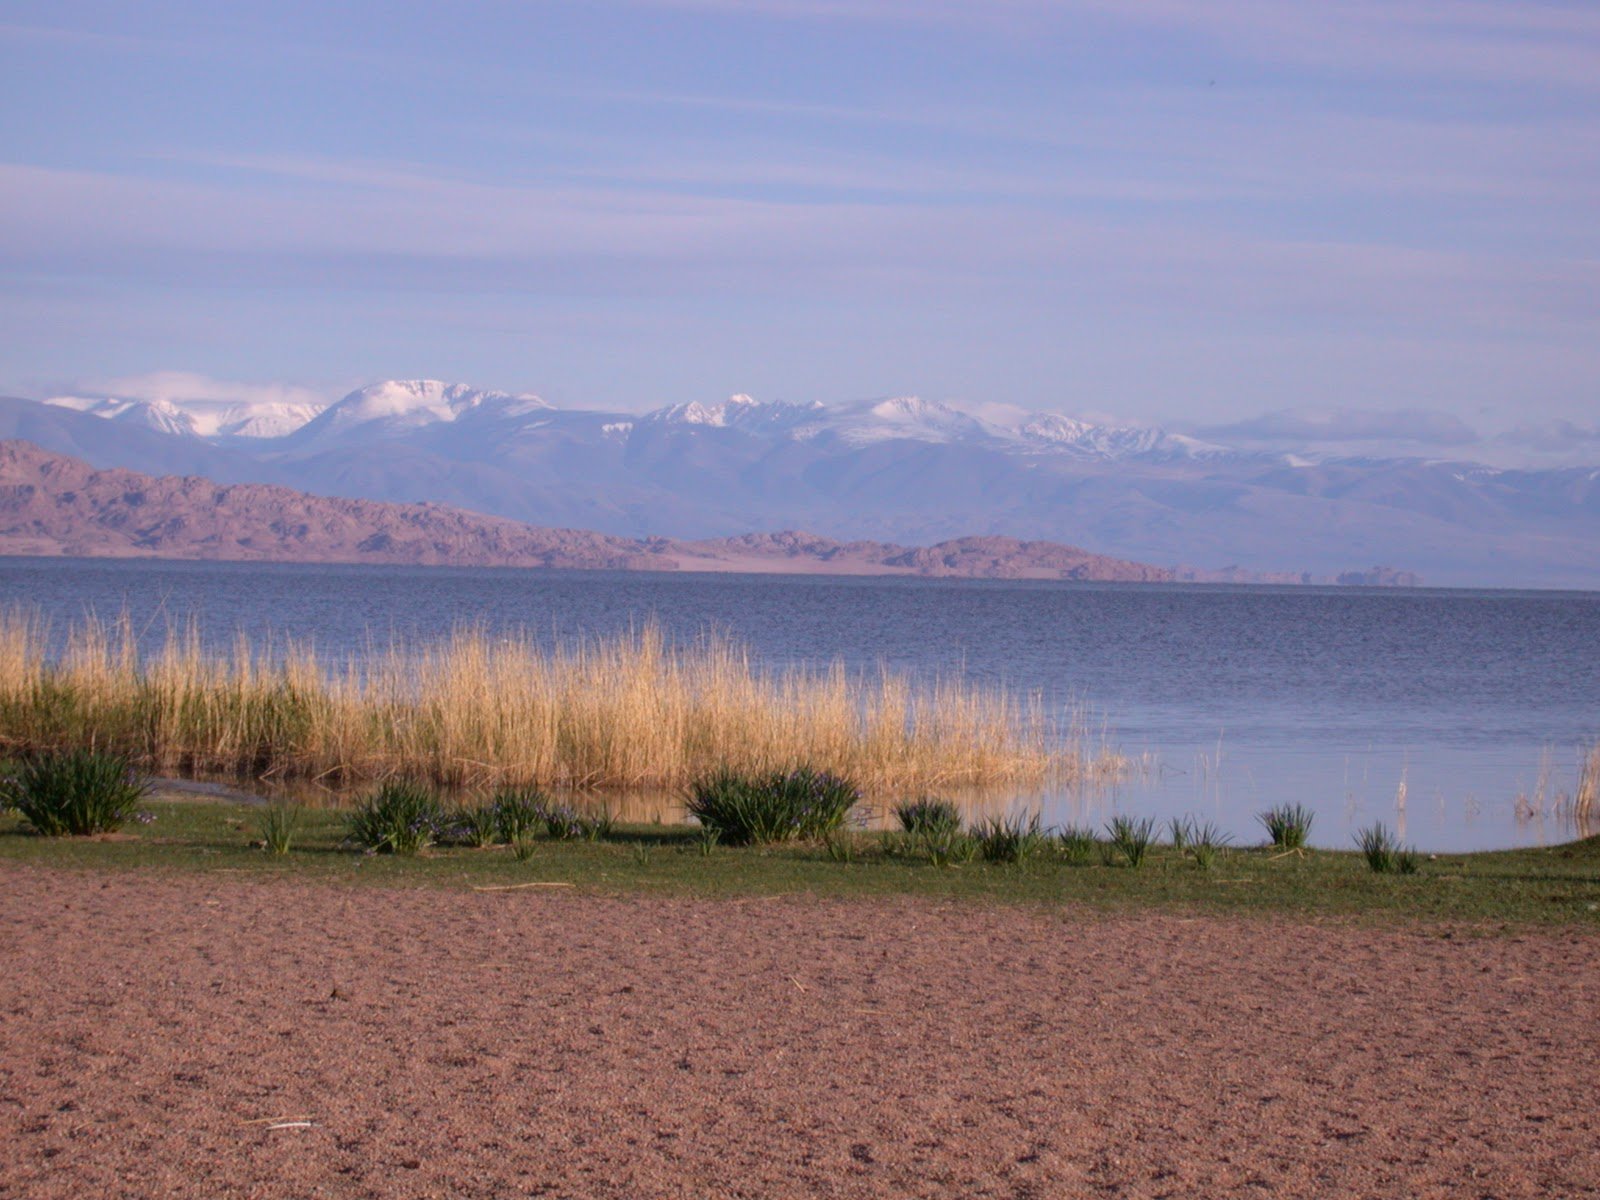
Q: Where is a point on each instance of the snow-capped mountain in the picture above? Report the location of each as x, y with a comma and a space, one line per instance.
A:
900, 469
1112, 441
911, 418
216, 419
737, 412
400, 408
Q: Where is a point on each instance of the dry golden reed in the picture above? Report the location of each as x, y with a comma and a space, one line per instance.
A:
1587, 798
475, 709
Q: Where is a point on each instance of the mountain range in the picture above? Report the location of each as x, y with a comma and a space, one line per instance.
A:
897, 470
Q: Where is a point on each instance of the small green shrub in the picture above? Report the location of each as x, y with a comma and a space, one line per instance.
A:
403, 817
278, 824
77, 792
1008, 839
749, 809
1384, 853
518, 811
1077, 845
1288, 825
1131, 838
929, 813
523, 845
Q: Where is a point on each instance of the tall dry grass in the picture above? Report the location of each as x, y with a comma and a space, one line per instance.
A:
1586, 800
473, 709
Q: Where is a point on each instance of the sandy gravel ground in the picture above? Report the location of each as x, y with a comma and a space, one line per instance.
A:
459, 1044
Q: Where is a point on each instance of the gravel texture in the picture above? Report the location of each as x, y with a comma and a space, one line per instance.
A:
528, 1043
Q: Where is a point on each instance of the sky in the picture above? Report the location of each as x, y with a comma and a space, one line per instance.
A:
1368, 223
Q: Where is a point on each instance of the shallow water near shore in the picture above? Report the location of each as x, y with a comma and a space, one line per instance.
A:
1455, 716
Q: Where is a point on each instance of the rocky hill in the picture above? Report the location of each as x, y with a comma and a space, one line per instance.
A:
51, 504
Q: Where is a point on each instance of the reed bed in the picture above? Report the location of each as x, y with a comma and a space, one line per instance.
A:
475, 709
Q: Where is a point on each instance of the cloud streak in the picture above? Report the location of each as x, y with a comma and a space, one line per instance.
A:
1317, 427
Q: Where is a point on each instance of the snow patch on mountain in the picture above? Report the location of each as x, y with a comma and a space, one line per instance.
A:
401, 406
736, 412
198, 418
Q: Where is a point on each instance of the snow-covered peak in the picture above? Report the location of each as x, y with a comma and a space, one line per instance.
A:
1054, 431
738, 412
188, 417
262, 419
399, 406
906, 417
161, 415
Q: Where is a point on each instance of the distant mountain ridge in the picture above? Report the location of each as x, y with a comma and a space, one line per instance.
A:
900, 470
53, 505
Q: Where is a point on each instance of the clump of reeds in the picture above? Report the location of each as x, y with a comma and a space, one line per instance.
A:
518, 812
568, 823
928, 813
1288, 825
933, 828
1131, 838
479, 710
1384, 853
8, 783
1205, 842
402, 817
278, 824
1076, 845
779, 806
1012, 839
76, 792
474, 825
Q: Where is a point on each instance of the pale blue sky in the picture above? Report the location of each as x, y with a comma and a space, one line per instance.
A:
1180, 212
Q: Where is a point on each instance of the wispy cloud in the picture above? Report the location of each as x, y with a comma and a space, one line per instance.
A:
1311, 427
1557, 437
1543, 43
180, 386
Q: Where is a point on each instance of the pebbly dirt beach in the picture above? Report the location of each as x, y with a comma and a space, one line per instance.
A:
214, 1037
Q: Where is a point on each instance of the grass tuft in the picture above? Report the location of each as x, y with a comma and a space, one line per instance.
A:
278, 824
1008, 839
567, 823
1131, 838
403, 817
926, 814
1077, 845
76, 792
1384, 853
1207, 843
518, 812
473, 825
781, 806
1288, 825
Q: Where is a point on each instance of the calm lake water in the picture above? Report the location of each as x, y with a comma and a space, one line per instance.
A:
1237, 697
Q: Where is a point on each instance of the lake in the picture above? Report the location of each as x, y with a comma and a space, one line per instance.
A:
1456, 715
